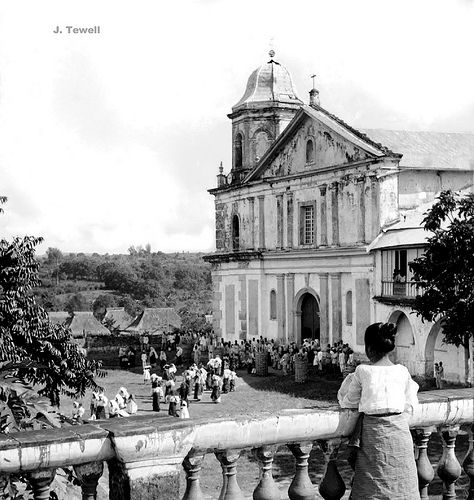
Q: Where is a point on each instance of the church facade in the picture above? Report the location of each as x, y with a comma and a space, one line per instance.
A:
303, 216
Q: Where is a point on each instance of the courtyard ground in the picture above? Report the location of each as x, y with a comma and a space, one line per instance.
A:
253, 395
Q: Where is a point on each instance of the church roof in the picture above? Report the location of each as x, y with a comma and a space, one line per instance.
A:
353, 135
271, 82
155, 319
429, 150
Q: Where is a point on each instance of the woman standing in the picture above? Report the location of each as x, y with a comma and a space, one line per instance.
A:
383, 392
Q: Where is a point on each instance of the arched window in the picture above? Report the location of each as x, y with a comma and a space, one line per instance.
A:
238, 151
309, 151
349, 307
235, 232
273, 305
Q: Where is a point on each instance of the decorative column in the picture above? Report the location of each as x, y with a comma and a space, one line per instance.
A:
468, 464
423, 464
252, 222
301, 488
243, 307
261, 222
279, 201
335, 213
375, 210
332, 486
449, 468
290, 288
336, 307
266, 488
289, 220
40, 482
324, 217
324, 312
230, 489
192, 465
281, 310
361, 210
89, 475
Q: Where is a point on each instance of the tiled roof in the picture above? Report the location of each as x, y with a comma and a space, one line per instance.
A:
428, 150
85, 322
155, 319
121, 319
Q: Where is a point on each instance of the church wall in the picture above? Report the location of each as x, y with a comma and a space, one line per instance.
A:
388, 205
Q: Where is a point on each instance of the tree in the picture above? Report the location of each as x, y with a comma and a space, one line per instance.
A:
77, 303
32, 348
54, 256
101, 303
445, 273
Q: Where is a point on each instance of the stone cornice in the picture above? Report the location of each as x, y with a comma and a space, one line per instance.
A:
244, 255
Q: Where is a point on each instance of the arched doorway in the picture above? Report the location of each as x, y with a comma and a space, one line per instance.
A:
437, 350
309, 317
404, 352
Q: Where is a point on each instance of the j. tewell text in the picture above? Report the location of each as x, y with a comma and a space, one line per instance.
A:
73, 30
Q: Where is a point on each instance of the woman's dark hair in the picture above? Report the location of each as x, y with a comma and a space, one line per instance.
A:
380, 338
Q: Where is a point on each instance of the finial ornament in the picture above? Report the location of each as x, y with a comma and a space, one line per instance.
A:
313, 77
221, 168
271, 53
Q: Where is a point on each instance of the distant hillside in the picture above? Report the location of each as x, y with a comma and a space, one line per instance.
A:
141, 279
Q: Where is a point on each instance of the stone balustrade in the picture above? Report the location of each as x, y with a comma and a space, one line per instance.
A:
146, 454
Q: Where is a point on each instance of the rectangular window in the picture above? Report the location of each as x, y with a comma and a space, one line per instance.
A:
308, 225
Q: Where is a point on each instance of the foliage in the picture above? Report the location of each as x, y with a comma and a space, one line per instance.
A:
445, 272
43, 354
77, 303
101, 303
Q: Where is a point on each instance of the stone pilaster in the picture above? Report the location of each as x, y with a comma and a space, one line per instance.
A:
323, 216
374, 198
252, 223
279, 202
216, 303
324, 312
261, 222
361, 210
289, 220
335, 213
336, 307
290, 289
281, 310
243, 307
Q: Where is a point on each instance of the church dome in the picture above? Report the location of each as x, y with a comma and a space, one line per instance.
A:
271, 82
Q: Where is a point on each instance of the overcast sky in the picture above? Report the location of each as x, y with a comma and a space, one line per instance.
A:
112, 139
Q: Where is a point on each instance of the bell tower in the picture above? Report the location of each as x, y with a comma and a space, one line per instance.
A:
267, 106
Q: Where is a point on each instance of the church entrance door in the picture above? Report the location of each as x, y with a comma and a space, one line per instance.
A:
309, 317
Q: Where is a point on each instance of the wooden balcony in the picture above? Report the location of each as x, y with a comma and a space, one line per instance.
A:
146, 454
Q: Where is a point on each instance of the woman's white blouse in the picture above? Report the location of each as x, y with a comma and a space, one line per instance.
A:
377, 389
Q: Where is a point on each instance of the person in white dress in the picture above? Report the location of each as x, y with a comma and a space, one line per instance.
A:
384, 393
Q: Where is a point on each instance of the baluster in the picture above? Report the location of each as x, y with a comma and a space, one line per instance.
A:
40, 481
423, 465
301, 488
192, 465
266, 488
89, 475
468, 464
449, 469
332, 486
230, 488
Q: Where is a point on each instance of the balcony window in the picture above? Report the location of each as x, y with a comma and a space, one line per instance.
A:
396, 274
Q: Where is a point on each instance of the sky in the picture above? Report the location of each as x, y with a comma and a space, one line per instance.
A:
110, 140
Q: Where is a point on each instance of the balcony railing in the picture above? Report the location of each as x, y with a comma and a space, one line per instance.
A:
400, 289
145, 455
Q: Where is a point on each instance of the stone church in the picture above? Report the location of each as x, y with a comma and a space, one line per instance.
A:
316, 218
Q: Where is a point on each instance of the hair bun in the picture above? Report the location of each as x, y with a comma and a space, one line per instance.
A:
388, 331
